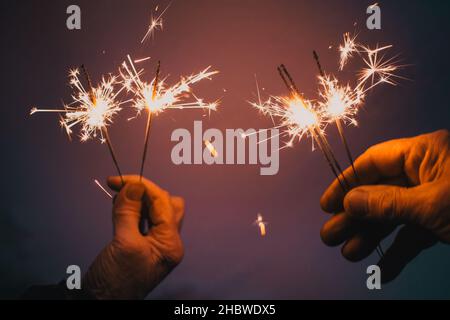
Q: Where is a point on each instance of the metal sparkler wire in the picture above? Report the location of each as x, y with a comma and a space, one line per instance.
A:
379, 249
149, 119
104, 128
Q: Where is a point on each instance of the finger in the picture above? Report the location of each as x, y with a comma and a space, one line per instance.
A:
365, 241
338, 229
400, 181
408, 244
178, 205
153, 190
388, 203
160, 211
115, 183
127, 208
379, 162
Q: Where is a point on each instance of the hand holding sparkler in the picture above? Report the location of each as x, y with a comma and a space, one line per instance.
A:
339, 104
404, 182
133, 264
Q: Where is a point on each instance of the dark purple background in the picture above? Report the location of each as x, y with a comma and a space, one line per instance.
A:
52, 215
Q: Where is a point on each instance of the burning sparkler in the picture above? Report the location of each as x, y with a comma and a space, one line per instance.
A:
156, 97
339, 103
298, 118
92, 109
155, 23
261, 224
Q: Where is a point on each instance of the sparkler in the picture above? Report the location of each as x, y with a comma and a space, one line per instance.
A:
156, 97
340, 104
149, 119
316, 130
93, 109
299, 118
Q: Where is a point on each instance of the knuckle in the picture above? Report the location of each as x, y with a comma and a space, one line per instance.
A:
128, 247
385, 204
174, 253
182, 204
394, 207
165, 194
443, 134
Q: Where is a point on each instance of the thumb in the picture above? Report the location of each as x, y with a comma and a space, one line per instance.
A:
127, 209
385, 203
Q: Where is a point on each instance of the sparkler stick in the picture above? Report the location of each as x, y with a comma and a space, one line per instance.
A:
316, 132
338, 123
149, 119
347, 148
104, 129
285, 75
327, 158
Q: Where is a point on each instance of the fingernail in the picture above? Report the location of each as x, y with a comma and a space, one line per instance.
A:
135, 192
356, 202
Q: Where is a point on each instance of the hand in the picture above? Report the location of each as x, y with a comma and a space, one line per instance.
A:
402, 182
133, 264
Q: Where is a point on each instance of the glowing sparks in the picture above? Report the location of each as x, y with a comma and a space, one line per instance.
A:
348, 49
378, 69
155, 24
261, 224
339, 102
211, 149
164, 98
103, 188
297, 117
141, 60
92, 109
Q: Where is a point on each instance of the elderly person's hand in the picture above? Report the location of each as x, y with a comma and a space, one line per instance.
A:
133, 263
401, 182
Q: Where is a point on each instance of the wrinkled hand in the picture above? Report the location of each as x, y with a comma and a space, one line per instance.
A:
402, 182
133, 264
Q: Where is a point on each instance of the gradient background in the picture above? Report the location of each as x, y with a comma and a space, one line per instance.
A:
52, 215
